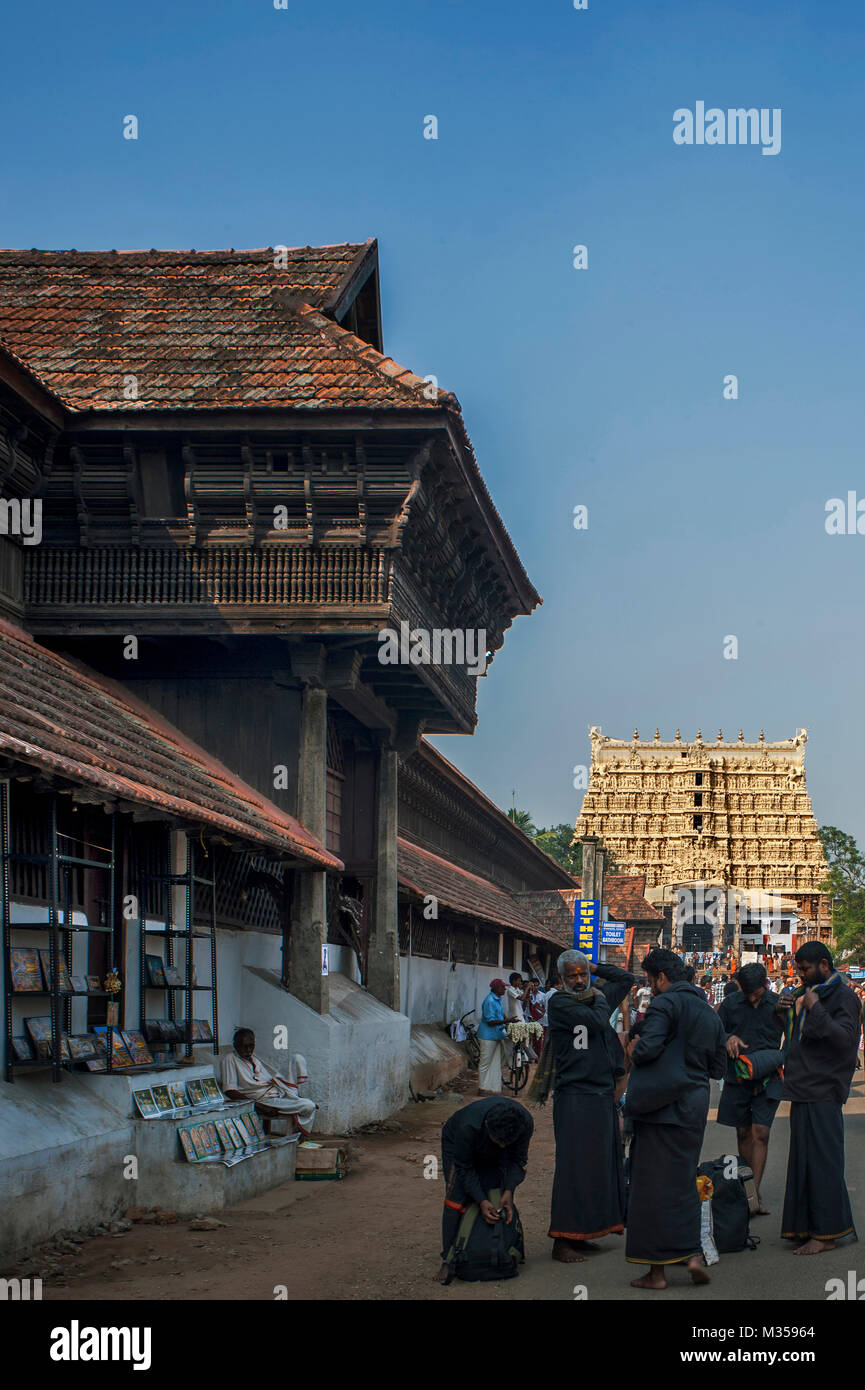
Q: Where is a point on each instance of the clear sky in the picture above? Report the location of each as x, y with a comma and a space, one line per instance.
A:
601, 387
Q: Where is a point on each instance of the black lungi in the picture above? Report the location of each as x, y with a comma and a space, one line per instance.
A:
589, 1186
816, 1202
663, 1201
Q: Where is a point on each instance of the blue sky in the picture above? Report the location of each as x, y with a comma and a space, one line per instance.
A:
601, 387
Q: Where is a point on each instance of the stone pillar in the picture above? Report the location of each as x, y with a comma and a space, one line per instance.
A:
309, 927
383, 960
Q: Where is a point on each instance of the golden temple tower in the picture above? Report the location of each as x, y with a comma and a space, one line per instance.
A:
734, 814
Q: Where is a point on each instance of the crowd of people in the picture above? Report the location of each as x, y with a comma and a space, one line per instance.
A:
628, 1064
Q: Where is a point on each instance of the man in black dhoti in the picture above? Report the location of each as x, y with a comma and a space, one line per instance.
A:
752, 1087
681, 1044
823, 1019
485, 1147
588, 1188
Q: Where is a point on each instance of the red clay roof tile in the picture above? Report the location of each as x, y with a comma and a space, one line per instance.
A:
58, 716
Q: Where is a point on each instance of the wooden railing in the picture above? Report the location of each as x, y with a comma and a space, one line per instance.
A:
221, 575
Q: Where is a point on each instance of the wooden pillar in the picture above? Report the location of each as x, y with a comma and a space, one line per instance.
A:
309, 927
383, 967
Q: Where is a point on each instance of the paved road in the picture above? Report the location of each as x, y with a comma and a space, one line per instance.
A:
376, 1236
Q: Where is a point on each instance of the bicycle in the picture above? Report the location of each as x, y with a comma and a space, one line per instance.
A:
471, 1040
516, 1075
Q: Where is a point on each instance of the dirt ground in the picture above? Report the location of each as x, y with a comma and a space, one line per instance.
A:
375, 1234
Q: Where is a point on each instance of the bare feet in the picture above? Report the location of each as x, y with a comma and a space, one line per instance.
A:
653, 1280
762, 1211
565, 1251
815, 1247
445, 1274
585, 1245
698, 1271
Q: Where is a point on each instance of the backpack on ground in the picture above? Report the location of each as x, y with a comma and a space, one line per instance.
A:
481, 1251
731, 1214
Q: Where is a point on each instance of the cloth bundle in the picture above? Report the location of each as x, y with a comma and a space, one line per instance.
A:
757, 1067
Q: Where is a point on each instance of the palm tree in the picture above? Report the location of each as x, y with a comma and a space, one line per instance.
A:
524, 821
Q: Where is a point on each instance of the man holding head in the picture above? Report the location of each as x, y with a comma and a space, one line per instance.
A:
680, 1045
823, 1018
588, 1187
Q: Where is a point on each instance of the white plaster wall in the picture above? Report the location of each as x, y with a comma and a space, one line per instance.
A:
432, 992
357, 1054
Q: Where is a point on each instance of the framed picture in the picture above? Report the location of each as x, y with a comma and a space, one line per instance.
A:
79, 984
162, 1097
26, 974
155, 971
65, 984
21, 1049
82, 1046
179, 1098
138, 1049
211, 1088
188, 1146
146, 1104
94, 984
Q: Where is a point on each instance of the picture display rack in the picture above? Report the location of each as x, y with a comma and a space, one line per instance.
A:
60, 934
181, 936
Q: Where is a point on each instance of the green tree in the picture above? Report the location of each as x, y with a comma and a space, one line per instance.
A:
524, 821
558, 841
845, 884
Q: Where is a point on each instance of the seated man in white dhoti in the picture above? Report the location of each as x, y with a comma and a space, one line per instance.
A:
245, 1077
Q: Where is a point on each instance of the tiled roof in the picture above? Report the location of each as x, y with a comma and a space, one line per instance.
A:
623, 895
82, 729
423, 873
196, 329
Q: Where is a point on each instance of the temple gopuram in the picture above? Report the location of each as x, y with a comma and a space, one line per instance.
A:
723, 831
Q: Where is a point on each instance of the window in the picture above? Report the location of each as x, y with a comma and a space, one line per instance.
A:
698, 822
698, 779
698, 798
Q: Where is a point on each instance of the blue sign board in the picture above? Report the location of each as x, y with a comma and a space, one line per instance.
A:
587, 926
612, 933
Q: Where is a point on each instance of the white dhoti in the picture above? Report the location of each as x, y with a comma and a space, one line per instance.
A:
252, 1079
490, 1066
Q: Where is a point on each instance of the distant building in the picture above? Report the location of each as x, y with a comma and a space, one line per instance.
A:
723, 832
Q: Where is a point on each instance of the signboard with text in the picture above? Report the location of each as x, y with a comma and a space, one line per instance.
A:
587, 926
612, 933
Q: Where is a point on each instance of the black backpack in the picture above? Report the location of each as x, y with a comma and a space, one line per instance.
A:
731, 1215
481, 1251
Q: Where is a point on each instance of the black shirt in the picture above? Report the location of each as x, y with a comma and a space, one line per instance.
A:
821, 1063
465, 1143
591, 1069
681, 1011
760, 1028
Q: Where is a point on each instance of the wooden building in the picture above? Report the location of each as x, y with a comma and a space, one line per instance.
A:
238, 493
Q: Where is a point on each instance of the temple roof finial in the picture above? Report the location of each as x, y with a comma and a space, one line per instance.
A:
636, 733
720, 736
657, 735
741, 737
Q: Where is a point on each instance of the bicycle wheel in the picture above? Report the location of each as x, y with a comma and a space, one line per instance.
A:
473, 1051
520, 1073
